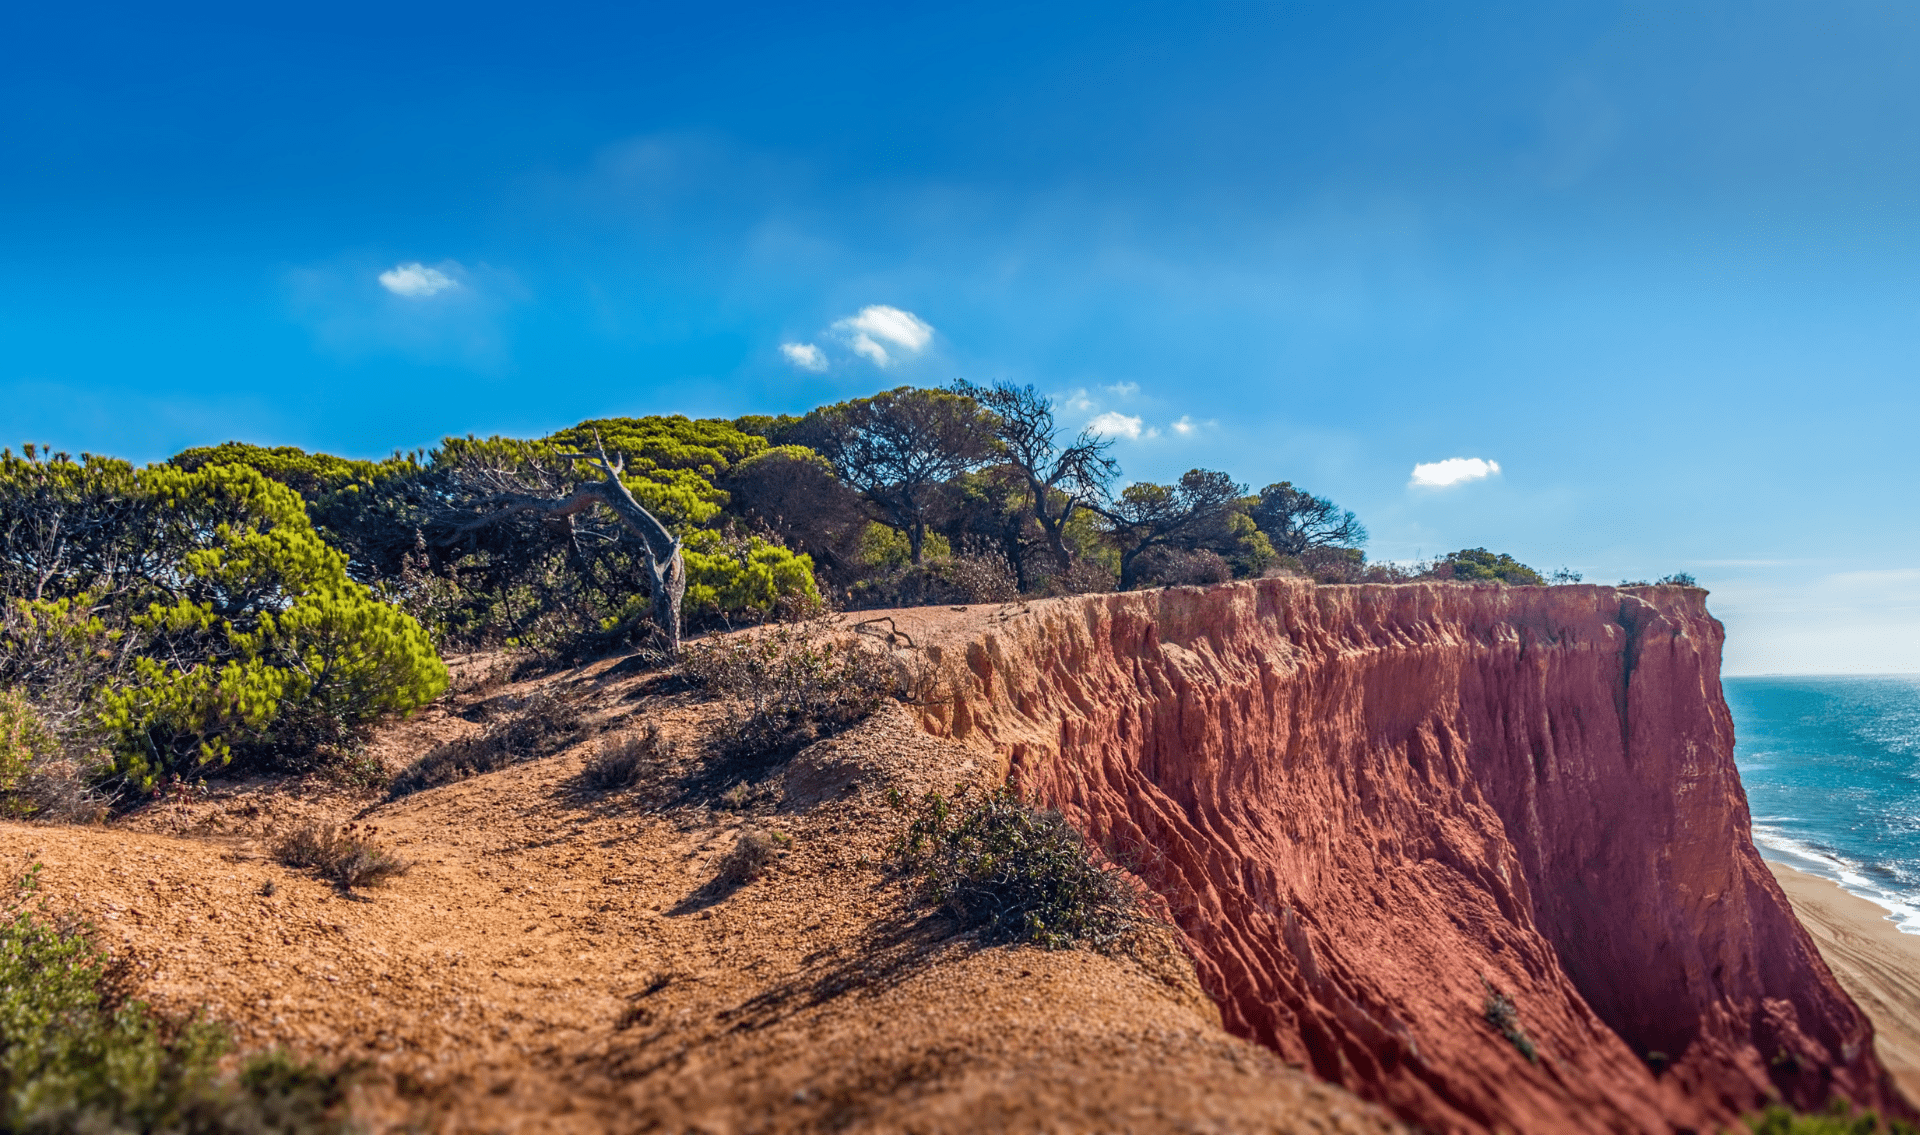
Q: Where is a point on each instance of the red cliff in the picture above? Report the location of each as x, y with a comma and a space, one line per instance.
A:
1368, 807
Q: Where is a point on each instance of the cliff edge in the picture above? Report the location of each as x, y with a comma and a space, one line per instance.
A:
1375, 811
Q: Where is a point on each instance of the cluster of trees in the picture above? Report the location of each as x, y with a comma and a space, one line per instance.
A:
269, 601
181, 613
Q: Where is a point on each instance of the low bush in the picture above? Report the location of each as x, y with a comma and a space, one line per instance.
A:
938, 582
787, 687
752, 853
1014, 873
1180, 567
1477, 565
1500, 1012
350, 856
75, 1056
39, 777
1081, 577
619, 765
542, 724
1839, 1119
1677, 579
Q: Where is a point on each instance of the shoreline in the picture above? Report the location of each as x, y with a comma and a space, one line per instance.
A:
1877, 964
1788, 852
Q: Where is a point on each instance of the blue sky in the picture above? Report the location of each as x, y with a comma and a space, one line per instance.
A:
1656, 261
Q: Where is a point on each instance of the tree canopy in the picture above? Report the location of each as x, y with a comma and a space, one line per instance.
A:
1295, 521
1471, 565
1200, 513
898, 447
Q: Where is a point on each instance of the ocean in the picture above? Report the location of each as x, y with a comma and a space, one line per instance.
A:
1832, 772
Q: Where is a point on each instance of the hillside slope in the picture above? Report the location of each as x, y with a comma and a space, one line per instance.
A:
562, 959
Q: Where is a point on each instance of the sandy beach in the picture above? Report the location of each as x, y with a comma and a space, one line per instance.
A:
1874, 961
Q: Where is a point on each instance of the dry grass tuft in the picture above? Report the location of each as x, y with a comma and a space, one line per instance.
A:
350, 856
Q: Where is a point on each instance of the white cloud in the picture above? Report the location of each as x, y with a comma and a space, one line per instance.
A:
907, 332
1184, 426
1123, 389
1453, 471
806, 356
871, 350
416, 280
449, 313
1077, 402
1115, 424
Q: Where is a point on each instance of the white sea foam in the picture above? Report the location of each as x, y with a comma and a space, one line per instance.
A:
1903, 909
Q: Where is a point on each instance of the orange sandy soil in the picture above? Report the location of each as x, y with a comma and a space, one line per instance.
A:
560, 959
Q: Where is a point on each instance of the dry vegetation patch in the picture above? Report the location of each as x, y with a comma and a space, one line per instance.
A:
350, 856
789, 686
622, 763
518, 729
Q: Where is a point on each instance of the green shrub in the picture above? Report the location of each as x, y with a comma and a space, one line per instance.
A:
74, 1058
262, 634
1477, 565
194, 612
1013, 873
25, 740
1839, 1119
1500, 1012
1677, 579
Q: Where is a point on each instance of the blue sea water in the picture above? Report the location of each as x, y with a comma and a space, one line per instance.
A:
1832, 772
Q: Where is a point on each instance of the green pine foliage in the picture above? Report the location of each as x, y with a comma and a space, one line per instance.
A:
259, 631
314, 476
194, 612
1477, 565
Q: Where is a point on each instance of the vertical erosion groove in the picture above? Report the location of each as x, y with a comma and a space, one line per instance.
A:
1368, 806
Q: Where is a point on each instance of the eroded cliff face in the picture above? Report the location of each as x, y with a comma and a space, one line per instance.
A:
1366, 807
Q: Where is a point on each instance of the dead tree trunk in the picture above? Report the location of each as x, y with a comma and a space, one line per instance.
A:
666, 566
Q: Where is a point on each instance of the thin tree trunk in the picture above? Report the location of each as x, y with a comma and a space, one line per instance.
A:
666, 566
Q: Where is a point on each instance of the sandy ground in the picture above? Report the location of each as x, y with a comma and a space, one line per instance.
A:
1874, 961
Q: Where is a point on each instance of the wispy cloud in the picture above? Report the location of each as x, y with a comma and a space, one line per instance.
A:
806, 356
1123, 389
416, 281
1453, 471
1185, 425
1115, 424
879, 327
449, 312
